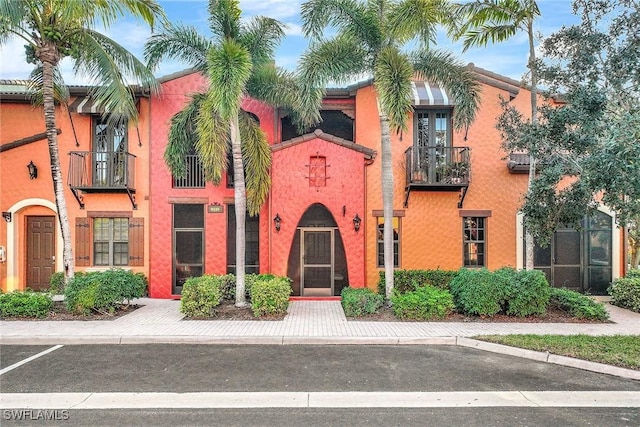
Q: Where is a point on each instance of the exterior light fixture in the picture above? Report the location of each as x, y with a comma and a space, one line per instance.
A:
277, 222
356, 222
6, 216
33, 170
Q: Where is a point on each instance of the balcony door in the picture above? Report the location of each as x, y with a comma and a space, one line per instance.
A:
109, 153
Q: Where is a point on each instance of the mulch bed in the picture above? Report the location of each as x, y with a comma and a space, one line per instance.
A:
553, 315
59, 312
228, 311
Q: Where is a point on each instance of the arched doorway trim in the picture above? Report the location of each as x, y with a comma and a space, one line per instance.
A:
13, 275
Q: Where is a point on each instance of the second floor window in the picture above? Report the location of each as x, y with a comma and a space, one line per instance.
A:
109, 153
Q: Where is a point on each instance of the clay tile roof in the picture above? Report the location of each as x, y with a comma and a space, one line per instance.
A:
319, 134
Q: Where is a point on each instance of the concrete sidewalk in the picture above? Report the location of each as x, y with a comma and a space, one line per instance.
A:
307, 322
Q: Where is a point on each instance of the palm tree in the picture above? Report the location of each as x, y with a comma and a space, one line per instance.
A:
238, 61
497, 21
57, 29
371, 39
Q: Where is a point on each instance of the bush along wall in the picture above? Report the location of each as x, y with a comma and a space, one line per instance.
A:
201, 295
424, 303
410, 280
358, 302
25, 304
103, 292
625, 292
577, 304
270, 295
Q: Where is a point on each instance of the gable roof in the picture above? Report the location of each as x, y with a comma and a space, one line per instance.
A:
369, 154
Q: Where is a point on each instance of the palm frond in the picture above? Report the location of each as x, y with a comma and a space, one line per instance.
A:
337, 60
177, 42
213, 142
182, 136
229, 69
256, 155
416, 17
35, 86
13, 16
442, 68
392, 79
261, 36
224, 18
317, 15
112, 68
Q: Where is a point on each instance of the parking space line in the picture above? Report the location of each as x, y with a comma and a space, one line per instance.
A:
29, 359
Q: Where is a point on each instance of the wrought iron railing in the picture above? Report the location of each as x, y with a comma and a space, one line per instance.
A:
438, 166
94, 170
194, 178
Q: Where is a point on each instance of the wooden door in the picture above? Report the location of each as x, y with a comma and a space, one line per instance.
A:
40, 251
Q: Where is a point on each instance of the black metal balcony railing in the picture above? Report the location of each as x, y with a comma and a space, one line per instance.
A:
435, 168
194, 177
95, 171
438, 166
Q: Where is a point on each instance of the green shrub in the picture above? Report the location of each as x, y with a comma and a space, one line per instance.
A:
634, 273
480, 292
410, 280
228, 287
201, 295
270, 296
56, 283
358, 302
103, 291
425, 303
625, 293
578, 305
25, 304
529, 292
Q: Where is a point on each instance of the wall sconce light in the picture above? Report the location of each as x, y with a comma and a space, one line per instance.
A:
356, 222
33, 170
277, 222
6, 216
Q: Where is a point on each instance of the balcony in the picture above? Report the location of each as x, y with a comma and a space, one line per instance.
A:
435, 168
194, 176
100, 172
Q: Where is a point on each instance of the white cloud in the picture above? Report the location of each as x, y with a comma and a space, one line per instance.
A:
14, 63
278, 9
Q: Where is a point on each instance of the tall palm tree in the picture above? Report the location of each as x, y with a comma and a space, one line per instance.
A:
371, 39
57, 29
496, 21
238, 61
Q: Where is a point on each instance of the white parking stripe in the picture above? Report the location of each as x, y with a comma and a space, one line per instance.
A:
28, 359
595, 399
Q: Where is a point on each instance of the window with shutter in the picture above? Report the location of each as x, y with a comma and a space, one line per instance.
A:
83, 242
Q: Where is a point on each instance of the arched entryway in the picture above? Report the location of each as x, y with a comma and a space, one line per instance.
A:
317, 262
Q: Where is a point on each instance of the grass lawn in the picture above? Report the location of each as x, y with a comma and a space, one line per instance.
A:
617, 350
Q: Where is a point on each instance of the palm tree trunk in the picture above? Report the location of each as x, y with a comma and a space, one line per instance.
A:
387, 204
241, 209
529, 241
48, 55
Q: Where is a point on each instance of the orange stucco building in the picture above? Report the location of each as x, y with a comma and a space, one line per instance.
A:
105, 169
456, 196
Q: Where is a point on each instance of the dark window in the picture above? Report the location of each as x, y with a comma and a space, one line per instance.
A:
111, 241
252, 242
333, 122
109, 161
474, 241
396, 242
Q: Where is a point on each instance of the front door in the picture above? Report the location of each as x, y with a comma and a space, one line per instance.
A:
40, 251
317, 259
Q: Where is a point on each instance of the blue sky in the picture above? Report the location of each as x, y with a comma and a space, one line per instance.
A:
508, 58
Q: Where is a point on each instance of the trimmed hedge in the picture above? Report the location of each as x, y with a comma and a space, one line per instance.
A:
270, 296
56, 283
25, 304
480, 292
528, 293
358, 302
410, 280
425, 303
633, 274
201, 295
103, 291
577, 304
625, 293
